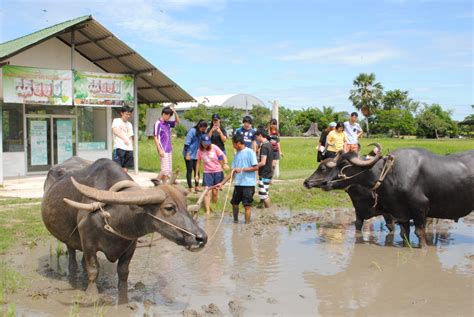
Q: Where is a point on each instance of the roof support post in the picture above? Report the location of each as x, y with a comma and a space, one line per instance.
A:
1, 144
135, 125
73, 48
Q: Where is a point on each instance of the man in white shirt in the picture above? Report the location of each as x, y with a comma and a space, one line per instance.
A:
122, 134
353, 132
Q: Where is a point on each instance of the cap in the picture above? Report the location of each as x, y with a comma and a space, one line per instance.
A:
205, 139
216, 116
332, 124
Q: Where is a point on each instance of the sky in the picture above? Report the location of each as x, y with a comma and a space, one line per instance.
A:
301, 53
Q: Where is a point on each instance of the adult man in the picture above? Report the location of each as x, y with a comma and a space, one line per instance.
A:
265, 166
244, 167
248, 133
122, 136
162, 138
353, 132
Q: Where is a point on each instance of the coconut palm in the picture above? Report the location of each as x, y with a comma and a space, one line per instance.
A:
366, 95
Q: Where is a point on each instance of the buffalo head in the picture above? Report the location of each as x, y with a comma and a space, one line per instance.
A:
162, 209
335, 173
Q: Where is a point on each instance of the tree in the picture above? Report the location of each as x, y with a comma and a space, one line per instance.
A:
261, 116
142, 108
433, 121
398, 121
366, 95
201, 112
287, 123
230, 117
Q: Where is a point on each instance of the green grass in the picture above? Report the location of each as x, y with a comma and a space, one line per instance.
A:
21, 224
18, 201
10, 281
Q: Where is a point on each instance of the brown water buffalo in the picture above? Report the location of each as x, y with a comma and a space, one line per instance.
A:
98, 207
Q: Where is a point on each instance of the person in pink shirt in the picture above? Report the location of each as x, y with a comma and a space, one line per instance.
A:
214, 161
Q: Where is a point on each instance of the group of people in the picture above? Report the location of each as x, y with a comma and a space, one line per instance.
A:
341, 136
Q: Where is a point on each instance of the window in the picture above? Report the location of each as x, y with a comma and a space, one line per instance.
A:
92, 128
12, 127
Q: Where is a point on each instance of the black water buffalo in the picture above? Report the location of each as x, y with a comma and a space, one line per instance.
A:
417, 185
99, 208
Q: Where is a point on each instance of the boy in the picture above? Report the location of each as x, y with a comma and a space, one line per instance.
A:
162, 137
244, 167
123, 143
248, 133
265, 166
353, 132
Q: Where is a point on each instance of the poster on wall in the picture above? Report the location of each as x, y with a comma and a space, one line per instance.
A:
37, 85
39, 143
103, 89
64, 133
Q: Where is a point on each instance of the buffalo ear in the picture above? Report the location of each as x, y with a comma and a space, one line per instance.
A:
182, 190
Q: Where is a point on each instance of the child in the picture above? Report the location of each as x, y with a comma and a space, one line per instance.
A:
162, 137
212, 157
265, 166
244, 169
248, 133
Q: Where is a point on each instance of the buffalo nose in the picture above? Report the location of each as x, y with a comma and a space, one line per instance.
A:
201, 238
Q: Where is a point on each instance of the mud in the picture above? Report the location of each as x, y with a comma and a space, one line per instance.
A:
281, 264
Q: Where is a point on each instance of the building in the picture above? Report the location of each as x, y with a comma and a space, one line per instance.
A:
238, 101
60, 88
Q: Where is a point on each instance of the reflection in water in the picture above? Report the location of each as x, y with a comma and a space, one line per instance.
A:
316, 268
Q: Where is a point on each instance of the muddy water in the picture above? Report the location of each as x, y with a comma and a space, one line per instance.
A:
309, 264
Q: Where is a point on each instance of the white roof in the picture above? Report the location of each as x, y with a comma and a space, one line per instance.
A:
238, 101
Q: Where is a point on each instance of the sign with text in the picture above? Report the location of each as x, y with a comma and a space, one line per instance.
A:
103, 89
37, 85
39, 143
64, 139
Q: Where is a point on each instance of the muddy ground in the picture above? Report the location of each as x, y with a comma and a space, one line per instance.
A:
281, 264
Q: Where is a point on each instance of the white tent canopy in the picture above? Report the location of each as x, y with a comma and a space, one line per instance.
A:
238, 101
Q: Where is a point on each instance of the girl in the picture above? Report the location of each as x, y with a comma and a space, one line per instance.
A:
336, 140
191, 146
214, 160
321, 148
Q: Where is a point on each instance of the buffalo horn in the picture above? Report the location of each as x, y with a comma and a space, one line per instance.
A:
367, 163
138, 197
97, 205
332, 163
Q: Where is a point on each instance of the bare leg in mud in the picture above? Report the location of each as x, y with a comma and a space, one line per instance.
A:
247, 214
235, 212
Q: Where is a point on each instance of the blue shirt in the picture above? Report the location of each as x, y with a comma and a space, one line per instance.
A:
245, 158
191, 143
249, 136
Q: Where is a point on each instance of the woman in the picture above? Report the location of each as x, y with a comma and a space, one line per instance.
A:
274, 138
217, 134
214, 160
336, 140
321, 148
191, 146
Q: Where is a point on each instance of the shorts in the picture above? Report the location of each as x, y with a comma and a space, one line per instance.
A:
330, 154
352, 147
166, 164
263, 185
211, 179
243, 194
276, 155
123, 158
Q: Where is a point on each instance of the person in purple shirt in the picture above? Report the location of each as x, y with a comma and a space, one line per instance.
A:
162, 137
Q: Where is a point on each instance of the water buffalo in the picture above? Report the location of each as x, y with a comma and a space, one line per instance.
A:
98, 207
417, 184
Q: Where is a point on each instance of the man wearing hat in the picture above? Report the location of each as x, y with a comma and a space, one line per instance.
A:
217, 134
353, 132
321, 148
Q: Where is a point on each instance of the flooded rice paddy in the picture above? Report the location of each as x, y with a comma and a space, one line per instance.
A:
281, 264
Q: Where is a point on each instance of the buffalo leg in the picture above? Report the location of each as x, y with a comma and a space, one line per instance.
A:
92, 265
420, 225
405, 232
122, 271
72, 265
359, 222
389, 222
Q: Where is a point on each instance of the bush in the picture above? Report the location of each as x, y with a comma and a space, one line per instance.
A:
180, 131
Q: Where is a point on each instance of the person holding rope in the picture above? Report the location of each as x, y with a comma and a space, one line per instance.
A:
214, 161
244, 171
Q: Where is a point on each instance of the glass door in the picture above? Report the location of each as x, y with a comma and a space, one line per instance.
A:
38, 144
64, 138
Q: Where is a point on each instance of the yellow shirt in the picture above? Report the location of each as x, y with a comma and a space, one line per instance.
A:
336, 141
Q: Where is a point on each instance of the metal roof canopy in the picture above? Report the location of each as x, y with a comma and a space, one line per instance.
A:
101, 47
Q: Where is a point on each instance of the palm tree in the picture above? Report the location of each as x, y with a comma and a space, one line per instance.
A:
366, 95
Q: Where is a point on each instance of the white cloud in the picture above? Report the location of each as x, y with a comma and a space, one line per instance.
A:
354, 55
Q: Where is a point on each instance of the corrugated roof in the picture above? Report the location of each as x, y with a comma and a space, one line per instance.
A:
102, 48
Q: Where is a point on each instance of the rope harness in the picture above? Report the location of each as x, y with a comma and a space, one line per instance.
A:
389, 161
